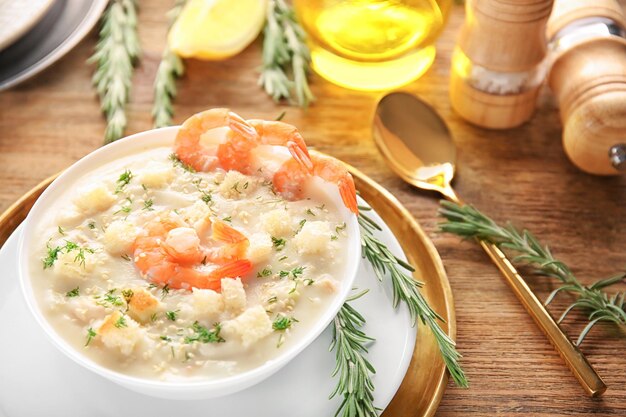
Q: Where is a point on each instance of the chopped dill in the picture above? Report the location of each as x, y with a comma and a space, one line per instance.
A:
61, 231
91, 225
278, 243
165, 291
341, 227
112, 299
207, 197
165, 338
147, 205
234, 187
90, 335
125, 209
310, 212
73, 293
172, 315
204, 335
53, 253
128, 295
282, 323
121, 322
125, 257
266, 272
301, 225
123, 181
272, 300
297, 271
51, 257
228, 219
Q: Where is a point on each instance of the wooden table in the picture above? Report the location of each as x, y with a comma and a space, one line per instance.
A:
522, 174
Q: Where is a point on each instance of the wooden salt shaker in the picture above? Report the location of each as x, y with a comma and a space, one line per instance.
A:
588, 77
498, 66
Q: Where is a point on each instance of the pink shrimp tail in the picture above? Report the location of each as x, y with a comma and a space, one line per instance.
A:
348, 194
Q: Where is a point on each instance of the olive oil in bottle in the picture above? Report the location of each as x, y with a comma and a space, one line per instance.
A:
372, 44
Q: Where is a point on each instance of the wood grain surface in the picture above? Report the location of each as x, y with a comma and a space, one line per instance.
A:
521, 174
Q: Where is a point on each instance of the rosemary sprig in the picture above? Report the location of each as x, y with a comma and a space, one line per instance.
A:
407, 290
467, 221
285, 51
115, 56
170, 68
355, 371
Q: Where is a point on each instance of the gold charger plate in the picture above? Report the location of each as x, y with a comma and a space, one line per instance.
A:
426, 379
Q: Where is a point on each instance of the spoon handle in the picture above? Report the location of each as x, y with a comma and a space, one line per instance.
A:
573, 357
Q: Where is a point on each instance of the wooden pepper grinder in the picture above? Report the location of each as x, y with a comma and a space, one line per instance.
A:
499, 65
588, 77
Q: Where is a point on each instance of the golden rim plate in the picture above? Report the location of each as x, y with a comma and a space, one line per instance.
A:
426, 379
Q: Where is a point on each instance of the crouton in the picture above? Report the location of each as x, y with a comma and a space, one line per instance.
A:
236, 185
277, 223
75, 265
234, 295
313, 238
94, 198
119, 237
156, 175
260, 247
251, 326
207, 303
142, 305
195, 213
120, 332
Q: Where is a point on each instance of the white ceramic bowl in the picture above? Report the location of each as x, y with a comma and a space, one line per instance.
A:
165, 389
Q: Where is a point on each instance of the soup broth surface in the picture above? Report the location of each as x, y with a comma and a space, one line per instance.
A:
106, 278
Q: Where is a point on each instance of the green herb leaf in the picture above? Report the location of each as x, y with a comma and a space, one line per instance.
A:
278, 243
171, 315
353, 368
204, 335
407, 290
121, 322
467, 221
285, 51
116, 54
51, 257
170, 68
266, 272
90, 335
123, 181
282, 323
147, 205
73, 293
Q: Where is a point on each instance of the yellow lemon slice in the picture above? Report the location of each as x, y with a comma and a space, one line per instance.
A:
216, 29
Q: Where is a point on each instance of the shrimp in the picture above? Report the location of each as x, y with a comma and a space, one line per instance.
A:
191, 151
234, 151
244, 149
171, 253
290, 179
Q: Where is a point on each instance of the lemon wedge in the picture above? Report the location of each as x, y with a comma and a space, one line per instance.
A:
216, 29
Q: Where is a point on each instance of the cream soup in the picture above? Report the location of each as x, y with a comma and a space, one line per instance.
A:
106, 291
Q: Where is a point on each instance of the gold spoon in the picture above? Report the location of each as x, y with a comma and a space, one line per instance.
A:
418, 147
